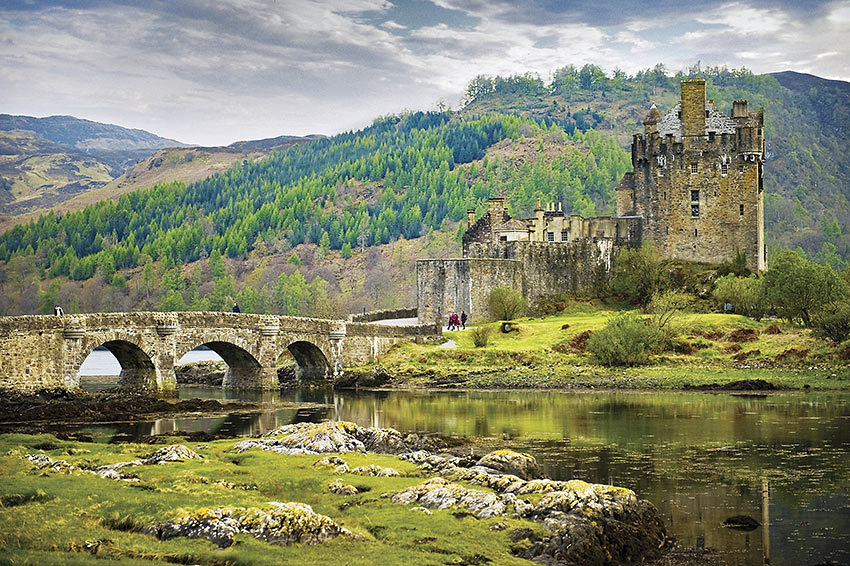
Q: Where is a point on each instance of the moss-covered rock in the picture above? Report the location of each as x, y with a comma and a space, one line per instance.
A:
328, 437
283, 523
509, 462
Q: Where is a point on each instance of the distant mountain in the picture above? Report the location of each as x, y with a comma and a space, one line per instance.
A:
65, 163
85, 135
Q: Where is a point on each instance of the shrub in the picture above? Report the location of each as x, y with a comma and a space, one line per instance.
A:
480, 336
627, 340
638, 274
506, 304
834, 324
800, 289
745, 294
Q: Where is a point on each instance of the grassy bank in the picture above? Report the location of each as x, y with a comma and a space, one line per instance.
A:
708, 349
72, 516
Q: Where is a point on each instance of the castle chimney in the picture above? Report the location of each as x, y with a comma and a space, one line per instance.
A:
539, 205
739, 109
497, 209
470, 217
693, 107
559, 207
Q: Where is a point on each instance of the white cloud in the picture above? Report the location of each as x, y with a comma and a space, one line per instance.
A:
238, 69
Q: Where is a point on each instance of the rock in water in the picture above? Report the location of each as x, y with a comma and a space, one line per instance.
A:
283, 524
509, 462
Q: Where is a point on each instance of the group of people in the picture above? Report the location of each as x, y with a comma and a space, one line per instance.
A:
456, 323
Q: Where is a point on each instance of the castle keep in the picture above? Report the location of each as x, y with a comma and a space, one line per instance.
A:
698, 181
696, 193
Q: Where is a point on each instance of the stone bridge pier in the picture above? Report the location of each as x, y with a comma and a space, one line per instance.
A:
46, 352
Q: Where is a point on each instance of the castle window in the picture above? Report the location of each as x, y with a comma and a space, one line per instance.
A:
741, 210
550, 236
694, 168
706, 113
563, 235
696, 233
741, 168
724, 169
711, 136
503, 238
694, 196
695, 210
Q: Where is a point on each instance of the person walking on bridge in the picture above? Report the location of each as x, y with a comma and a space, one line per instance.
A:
57, 310
236, 308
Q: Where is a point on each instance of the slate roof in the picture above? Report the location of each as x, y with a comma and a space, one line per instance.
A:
716, 122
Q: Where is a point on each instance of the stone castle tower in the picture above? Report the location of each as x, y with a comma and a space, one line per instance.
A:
698, 181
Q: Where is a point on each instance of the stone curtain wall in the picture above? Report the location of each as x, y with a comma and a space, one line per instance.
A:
535, 269
460, 285
46, 352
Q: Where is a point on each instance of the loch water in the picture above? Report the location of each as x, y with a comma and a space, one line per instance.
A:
782, 459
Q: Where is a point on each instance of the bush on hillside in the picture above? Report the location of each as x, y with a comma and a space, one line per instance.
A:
506, 304
480, 336
627, 340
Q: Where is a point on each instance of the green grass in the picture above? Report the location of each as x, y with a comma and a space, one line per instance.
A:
79, 518
538, 355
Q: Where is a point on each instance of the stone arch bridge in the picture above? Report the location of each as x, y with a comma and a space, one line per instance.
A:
46, 352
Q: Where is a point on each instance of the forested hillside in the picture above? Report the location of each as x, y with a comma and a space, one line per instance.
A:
807, 174
402, 177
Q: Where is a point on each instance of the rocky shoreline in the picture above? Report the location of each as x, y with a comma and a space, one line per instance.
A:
70, 406
577, 522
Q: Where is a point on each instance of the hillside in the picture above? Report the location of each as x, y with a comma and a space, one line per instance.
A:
63, 163
807, 174
331, 213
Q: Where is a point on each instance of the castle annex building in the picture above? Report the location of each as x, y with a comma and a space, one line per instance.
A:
696, 193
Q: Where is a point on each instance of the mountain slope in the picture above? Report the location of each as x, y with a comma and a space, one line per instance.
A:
63, 163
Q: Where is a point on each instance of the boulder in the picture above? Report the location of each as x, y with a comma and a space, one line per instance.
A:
509, 462
373, 470
337, 486
438, 493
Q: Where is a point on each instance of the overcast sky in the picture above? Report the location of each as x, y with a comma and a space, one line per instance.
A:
215, 72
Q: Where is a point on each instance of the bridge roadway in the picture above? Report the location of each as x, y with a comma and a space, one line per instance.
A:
46, 352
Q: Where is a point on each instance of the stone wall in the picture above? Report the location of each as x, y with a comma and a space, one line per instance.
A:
390, 314
445, 286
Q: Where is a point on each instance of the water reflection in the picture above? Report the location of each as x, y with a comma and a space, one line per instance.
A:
701, 458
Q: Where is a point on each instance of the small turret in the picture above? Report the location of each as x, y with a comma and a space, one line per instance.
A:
650, 122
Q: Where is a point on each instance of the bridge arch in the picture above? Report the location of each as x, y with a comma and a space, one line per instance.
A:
138, 370
311, 362
244, 370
